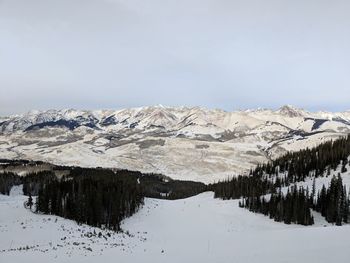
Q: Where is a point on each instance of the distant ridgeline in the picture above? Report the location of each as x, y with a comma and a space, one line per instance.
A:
295, 205
98, 197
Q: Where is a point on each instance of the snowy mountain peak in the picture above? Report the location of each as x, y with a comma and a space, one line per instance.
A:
290, 111
165, 117
181, 142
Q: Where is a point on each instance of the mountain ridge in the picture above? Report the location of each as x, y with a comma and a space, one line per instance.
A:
188, 143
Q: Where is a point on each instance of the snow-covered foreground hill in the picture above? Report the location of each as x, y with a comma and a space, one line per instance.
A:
197, 229
184, 143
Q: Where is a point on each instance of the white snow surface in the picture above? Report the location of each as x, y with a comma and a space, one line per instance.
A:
197, 229
184, 143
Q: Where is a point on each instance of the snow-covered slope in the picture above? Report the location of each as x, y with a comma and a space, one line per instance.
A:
197, 229
183, 143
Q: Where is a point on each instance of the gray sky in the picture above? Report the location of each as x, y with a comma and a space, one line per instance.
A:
225, 54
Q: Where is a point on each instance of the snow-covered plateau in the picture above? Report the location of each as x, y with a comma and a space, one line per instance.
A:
184, 143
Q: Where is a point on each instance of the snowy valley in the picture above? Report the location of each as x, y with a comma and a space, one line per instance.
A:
197, 229
187, 221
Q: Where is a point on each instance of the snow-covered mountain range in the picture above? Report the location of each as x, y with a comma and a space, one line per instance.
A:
184, 143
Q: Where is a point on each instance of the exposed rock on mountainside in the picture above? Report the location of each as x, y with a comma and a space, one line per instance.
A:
183, 143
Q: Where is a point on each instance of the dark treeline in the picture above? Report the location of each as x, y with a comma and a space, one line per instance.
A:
315, 161
152, 185
33, 182
4, 163
158, 186
332, 202
294, 207
239, 186
288, 169
18, 161
96, 197
183, 189
7, 181
102, 197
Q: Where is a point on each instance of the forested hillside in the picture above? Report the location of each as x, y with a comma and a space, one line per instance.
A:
261, 190
95, 196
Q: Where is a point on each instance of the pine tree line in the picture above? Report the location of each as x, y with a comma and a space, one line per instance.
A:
294, 207
235, 188
286, 170
96, 196
309, 162
7, 181
90, 196
33, 181
333, 202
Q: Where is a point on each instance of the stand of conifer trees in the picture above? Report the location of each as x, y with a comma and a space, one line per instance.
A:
91, 196
98, 197
288, 169
33, 181
235, 188
7, 180
309, 162
333, 203
294, 207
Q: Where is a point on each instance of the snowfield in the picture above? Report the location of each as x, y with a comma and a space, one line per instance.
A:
197, 229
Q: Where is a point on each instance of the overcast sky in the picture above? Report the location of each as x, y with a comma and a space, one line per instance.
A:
227, 54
